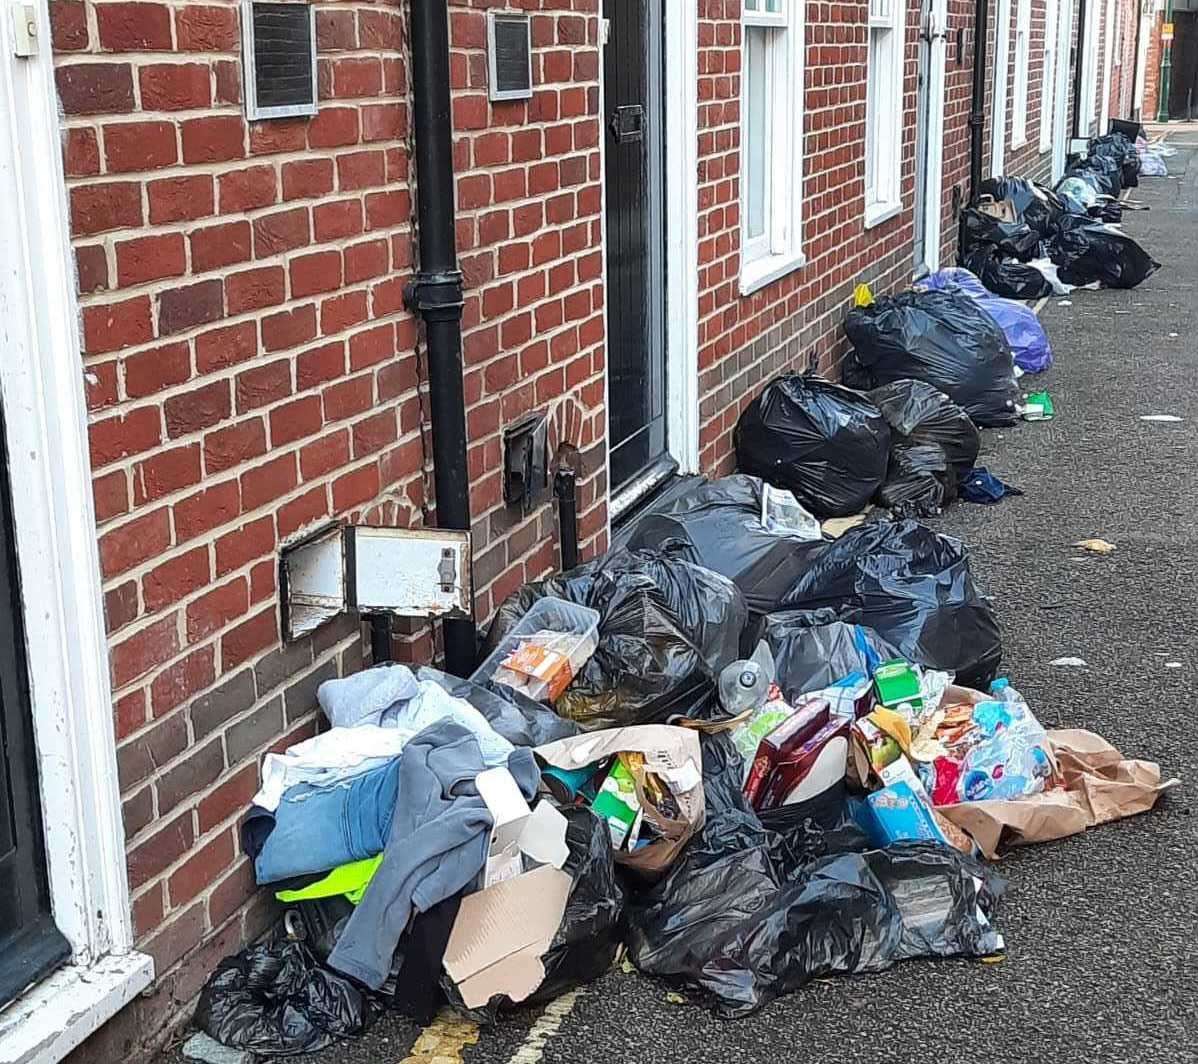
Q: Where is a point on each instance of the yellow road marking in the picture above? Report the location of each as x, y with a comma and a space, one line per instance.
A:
443, 1040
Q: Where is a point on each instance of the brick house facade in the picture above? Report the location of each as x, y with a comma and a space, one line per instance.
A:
251, 372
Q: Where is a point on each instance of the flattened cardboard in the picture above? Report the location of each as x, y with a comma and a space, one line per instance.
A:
510, 812
500, 933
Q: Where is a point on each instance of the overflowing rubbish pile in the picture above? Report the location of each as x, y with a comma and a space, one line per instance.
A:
1024, 241
747, 752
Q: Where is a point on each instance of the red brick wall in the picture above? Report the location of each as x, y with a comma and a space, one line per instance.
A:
1152, 69
1123, 69
530, 236
250, 374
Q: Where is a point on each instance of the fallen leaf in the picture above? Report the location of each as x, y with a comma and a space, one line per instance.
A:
1095, 546
627, 967
675, 999
994, 958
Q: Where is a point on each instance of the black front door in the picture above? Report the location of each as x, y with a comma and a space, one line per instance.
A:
635, 157
30, 944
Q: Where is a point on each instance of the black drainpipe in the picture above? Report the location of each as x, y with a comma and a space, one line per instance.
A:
436, 292
567, 516
977, 109
1077, 70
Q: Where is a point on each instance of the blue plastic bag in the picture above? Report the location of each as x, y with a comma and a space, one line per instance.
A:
1025, 334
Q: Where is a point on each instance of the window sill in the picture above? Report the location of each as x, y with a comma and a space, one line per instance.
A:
877, 213
1044, 148
56, 1015
1018, 142
760, 272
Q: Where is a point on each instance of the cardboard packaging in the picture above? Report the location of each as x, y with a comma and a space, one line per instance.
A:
670, 753
803, 724
810, 769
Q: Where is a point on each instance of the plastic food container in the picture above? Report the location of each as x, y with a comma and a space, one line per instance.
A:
546, 649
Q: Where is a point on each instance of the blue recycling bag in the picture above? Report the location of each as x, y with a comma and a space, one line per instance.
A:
1019, 323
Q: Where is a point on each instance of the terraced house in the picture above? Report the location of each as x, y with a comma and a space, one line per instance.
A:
275, 269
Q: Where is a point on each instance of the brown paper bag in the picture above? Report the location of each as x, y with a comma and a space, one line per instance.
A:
1099, 786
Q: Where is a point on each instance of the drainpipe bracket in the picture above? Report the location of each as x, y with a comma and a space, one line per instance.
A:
435, 295
976, 120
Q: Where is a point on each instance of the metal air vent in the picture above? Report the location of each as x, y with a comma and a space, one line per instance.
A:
509, 56
279, 58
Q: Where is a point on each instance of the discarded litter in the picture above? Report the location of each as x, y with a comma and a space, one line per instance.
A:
750, 755
1167, 418
1095, 546
981, 486
1037, 406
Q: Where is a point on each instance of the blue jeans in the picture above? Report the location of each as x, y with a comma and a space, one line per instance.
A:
319, 828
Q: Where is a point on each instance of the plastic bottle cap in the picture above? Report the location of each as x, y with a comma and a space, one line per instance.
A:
1001, 684
748, 678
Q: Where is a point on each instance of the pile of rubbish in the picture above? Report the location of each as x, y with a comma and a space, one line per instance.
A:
748, 752
1024, 241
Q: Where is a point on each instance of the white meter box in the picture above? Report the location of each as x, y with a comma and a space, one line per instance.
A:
393, 571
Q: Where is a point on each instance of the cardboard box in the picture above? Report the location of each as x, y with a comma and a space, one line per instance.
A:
501, 933
802, 725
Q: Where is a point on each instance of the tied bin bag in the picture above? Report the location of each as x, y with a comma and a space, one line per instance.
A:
825, 443
910, 586
943, 338
934, 443
666, 629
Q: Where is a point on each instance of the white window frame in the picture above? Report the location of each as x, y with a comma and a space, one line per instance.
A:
1089, 60
779, 250
1048, 75
41, 380
884, 129
1023, 32
1108, 58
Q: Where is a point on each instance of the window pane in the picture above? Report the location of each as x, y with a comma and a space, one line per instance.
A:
756, 153
751, 5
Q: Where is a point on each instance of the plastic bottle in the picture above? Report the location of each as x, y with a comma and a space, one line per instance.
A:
745, 683
1002, 691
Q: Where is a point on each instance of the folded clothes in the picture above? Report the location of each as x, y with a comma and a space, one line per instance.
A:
316, 828
327, 758
391, 697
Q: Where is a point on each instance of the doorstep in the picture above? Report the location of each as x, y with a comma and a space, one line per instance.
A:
57, 1014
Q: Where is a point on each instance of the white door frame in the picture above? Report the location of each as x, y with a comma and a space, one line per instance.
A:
1060, 95
682, 232
66, 647
680, 179
998, 106
1107, 63
934, 183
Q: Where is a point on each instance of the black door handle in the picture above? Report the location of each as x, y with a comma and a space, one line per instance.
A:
628, 123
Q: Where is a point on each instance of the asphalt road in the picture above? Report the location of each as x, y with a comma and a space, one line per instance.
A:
1102, 929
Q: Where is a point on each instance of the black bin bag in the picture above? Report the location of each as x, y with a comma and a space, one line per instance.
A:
813, 649
666, 629
911, 586
1006, 277
933, 443
1016, 239
827, 444
1036, 206
941, 337
1086, 251
277, 1001
749, 913
718, 523
592, 928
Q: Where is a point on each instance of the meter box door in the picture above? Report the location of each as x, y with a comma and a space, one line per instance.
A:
397, 572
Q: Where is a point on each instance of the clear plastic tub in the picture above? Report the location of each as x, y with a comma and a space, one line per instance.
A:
546, 649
